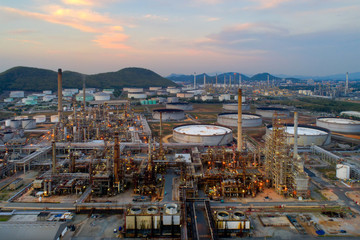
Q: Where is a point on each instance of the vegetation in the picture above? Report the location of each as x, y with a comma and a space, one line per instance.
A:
34, 79
316, 104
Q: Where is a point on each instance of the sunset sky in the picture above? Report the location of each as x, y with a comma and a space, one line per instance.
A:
307, 37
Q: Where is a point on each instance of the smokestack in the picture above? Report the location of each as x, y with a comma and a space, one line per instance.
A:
296, 122
239, 137
347, 83
84, 95
60, 95
194, 80
239, 80
116, 157
53, 145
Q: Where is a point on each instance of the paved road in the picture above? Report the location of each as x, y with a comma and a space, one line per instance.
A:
169, 176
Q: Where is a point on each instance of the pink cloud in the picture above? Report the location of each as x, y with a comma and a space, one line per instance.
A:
79, 2
112, 40
57, 19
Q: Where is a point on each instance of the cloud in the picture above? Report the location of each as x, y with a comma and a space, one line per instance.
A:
22, 31
108, 36
53, 18
212, 19
265, 4
79, 2
155, 17
24, 41
112, 40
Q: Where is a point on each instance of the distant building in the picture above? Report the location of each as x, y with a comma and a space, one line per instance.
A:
17, 94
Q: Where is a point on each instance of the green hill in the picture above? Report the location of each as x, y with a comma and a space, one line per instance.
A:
35, 79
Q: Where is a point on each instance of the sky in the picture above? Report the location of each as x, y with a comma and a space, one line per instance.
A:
294, 37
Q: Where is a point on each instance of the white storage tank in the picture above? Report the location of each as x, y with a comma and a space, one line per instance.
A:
54, 118
224, 97
269, 112
341, 125
208, 135
28, 123
342, 171
207, 98
307, 135
248, 120
21, 117
40, 118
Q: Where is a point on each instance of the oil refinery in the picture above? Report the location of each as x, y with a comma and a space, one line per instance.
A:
146, 166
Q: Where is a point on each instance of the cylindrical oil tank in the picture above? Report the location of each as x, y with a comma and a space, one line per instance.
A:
180, 105
168, 114
152, 210
248, 120
7, 122
28, 123
342, 171
234, 107
54, 118
239, 215
171, 208
135, 210
15, 124
40, 118
341, 125
269, 112
137, 95
223, 215
209, 135
307, 135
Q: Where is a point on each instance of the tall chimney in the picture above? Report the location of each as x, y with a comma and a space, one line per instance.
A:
296, 122
60, 95
116, 157
53, 167
84, 95
239, 137
347, 83
194, 80
239, 80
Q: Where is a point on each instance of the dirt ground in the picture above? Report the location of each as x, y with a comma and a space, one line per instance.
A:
329, 195
354, 195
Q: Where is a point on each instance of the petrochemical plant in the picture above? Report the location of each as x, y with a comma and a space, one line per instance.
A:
171, 167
